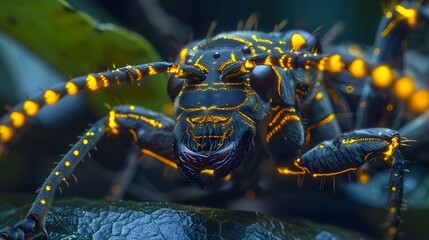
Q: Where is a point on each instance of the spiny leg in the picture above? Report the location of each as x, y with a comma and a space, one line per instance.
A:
351, 150
152, 132
36, 216
17, 117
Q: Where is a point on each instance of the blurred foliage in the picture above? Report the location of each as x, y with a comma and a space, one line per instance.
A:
75, 44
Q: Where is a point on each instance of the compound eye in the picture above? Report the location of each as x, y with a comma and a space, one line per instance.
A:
263, 80
174, 86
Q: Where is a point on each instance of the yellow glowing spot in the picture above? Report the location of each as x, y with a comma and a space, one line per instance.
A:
30, 108
17, 119
390, 150
297, 41
71, 88
57, 173
43, 201
152, 70
85, 141
132, 107
321, 146
349, 140
379, 133
48, 188
227, 178
67, 164
182, 54
382, 76
335, 64
388, 14
91, 82
389, 107
396, 175
250, 194
6, 133
350, 89
319, 95
208, 171
393, 188
409, 13
419, 101
358, 68
112, 123
392, 209
51, 97
76, 152
363, 177
404, 87
248, 64
392, 230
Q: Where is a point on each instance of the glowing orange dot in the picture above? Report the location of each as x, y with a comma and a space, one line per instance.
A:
30, 107
91, 82
404, 87
183, 54
358, 68
419, 101
51, 97
297, 41
17, 119
6, 133
335, 64
43, 201
363, 177
319, 95
72, 88
382, 76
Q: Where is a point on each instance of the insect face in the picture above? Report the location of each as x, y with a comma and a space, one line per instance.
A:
216, 118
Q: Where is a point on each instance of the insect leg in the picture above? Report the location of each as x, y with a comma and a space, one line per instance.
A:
36, 216
150, 130
351, 150
17, 117
321, 121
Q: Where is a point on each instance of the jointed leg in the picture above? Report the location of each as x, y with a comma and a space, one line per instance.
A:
36, 216
152, 132
348, 152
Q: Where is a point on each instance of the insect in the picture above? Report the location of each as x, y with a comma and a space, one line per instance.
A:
240, 93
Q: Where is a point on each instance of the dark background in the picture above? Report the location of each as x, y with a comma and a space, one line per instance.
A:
357, 21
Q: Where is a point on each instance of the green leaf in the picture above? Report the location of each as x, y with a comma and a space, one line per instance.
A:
75, 44
84, 219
